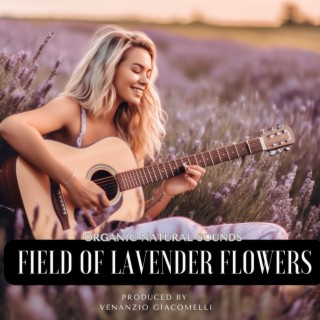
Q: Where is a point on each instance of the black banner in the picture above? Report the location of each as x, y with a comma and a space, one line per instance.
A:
162, 262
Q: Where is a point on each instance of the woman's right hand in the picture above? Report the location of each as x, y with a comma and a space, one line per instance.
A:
87, 195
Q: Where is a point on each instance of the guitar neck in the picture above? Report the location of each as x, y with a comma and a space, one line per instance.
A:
150, 174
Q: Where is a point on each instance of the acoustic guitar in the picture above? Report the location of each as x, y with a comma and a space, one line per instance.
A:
111, 164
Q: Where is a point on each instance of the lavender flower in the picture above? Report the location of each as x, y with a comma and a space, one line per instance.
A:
33, 305
19, 224
42, 46
305, 192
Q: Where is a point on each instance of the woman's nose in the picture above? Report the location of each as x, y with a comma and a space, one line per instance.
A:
144, 79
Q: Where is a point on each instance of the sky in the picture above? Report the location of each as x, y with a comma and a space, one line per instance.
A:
235, 12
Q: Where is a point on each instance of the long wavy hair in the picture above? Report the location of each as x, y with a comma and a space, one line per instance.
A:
91, 84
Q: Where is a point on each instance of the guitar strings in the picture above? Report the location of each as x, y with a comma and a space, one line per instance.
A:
107, 181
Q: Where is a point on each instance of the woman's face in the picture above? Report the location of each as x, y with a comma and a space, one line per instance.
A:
132, 76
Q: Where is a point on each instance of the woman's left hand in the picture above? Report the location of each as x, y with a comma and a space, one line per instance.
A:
184, 182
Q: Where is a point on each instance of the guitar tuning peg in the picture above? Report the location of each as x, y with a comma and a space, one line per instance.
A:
280, 150
271, 128
278, 126
261, 132
286, 148
272, 152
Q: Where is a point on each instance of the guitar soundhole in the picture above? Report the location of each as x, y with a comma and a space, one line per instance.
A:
107, 182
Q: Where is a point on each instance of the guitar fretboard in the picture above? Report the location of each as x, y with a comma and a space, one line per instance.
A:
150, 174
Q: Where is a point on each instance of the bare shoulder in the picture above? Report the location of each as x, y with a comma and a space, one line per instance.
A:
54, 115
62, 105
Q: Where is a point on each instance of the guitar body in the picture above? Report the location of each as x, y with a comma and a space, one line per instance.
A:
101, 160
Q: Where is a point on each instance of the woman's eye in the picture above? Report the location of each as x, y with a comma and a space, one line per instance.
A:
135, 71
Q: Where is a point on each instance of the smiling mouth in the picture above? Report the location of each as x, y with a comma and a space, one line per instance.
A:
138, 91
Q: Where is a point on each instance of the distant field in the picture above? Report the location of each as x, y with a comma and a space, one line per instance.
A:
301, 37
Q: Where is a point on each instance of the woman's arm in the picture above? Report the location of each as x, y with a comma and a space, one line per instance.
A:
24, 133
156, 204
170, 188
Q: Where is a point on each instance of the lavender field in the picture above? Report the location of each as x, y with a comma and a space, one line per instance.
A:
215, 92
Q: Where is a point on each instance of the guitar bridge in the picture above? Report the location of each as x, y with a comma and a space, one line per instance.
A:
59, 205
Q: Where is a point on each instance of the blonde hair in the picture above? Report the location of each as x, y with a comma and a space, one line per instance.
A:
91, 84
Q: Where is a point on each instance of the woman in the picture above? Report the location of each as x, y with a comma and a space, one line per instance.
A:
111, 93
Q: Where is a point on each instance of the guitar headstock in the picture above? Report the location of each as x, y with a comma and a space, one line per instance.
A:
277, 139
